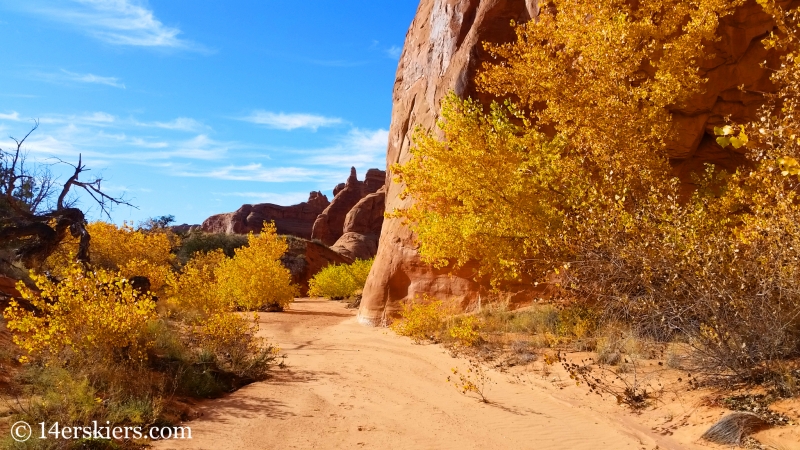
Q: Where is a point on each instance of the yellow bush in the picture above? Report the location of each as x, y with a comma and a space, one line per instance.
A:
466, 331
255, 278
91, 316
233, 341
124, 249
193, 291
339, 281
421, 320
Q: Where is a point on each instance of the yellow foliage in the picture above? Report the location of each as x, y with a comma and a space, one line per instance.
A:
255, 278
340, 281
511, 185
232, 338
421, 321
572, 178
222, 330
124, 249
193, 291
466, 331
91, 316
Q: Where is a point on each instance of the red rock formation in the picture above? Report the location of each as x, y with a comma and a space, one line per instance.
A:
8, 287
304, 259
442, 53
362, 227
296, 220
329, 226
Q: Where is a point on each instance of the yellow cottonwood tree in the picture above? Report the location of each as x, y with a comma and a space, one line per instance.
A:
581, 136
255, 277
570, 175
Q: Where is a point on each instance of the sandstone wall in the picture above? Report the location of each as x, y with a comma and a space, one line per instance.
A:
329, 226
296, 220
443, 51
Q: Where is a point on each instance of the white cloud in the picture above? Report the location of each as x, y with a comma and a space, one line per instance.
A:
289, 198
200, 147
290, 122
117, 22
179, 124
14, 116
360, 148
254, 172
91, 78
96, 119
394, 52
139, 142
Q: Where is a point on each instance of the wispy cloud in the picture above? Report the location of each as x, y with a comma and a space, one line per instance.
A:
116, 22
290, 122
13, 116
359, 148
89, 78
99, 118
394, 52
254, 172
19, 95
289, 198
179, 124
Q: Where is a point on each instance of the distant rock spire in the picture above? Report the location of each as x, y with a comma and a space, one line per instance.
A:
353, 179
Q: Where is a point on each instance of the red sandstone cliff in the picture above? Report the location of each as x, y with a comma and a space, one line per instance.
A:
362, 227
296, 220
329, 226
442, 52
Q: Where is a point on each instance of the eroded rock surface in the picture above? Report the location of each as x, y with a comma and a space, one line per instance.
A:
362, 227
305, 258
329, 226
296, 220
442, 53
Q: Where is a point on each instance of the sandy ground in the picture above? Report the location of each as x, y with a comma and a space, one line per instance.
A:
350, 386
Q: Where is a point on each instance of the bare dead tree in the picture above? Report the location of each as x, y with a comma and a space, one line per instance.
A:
30, 221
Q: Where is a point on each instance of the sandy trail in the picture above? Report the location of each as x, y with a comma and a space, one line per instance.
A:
350, 386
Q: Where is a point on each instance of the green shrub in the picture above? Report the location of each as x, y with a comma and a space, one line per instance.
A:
199, 241
340, 281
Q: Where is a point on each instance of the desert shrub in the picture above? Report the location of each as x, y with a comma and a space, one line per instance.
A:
97, 349
88, 316
422, 320
192, 292
340, 281
59, 394
608, 223
254, 278
510, 185
237, 349
132, 252
200, 241
465, 330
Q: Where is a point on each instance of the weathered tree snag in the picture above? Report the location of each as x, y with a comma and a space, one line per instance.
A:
27, 223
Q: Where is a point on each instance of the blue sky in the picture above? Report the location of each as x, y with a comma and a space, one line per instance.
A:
195, 107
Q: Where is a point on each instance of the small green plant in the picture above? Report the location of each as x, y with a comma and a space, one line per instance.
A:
421, 321
340, 281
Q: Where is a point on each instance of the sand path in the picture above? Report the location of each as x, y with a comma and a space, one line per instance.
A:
350, 386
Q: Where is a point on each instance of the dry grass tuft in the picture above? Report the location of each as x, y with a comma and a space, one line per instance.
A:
734, 428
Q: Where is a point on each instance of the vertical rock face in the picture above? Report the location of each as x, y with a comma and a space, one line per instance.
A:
329, 226
362, 227
443, 51
304, 259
